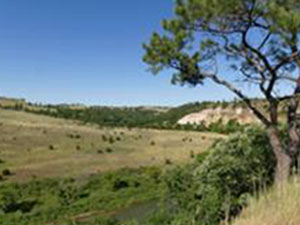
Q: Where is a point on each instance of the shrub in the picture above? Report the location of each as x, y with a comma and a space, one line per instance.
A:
6, 172
118, 139
8, 201
51, 147
109, 150
104, 138
120, 184
111, 140
192, 154
68, 192
216, 188
168, 162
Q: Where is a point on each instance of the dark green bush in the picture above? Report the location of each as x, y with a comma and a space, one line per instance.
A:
109, 150
111, 140
120, 184
118, 139
104, 138
6, 172
168, 162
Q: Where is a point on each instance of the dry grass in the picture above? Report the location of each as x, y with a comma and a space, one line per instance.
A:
11, 102
39, 146
278, 207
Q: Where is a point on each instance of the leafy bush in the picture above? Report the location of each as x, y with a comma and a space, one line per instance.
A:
6, 172
216, 187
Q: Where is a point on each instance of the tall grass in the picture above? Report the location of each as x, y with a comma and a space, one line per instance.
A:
280, 206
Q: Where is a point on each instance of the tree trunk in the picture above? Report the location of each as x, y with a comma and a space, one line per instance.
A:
284, 160
293, 130
293, 147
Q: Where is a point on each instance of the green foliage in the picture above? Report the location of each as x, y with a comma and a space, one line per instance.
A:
203, 30
60, 201
216, 187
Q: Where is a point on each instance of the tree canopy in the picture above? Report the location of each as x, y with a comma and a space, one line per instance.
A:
257, 40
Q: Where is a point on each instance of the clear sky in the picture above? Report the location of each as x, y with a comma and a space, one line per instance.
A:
86, 51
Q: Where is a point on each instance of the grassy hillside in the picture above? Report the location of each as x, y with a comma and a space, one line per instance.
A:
40, 146
12, 102
278, 207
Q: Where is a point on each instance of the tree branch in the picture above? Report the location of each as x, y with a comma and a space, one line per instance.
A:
237, 92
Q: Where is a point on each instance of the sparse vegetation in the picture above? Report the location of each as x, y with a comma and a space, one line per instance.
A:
56, 151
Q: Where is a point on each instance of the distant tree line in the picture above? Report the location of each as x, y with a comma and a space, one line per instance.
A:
137, 117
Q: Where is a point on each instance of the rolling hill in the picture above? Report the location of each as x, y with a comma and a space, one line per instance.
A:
36, 146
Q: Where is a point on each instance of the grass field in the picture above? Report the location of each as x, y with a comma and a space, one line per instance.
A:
40, 146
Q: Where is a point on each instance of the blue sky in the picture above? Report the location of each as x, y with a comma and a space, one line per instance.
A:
86, 51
